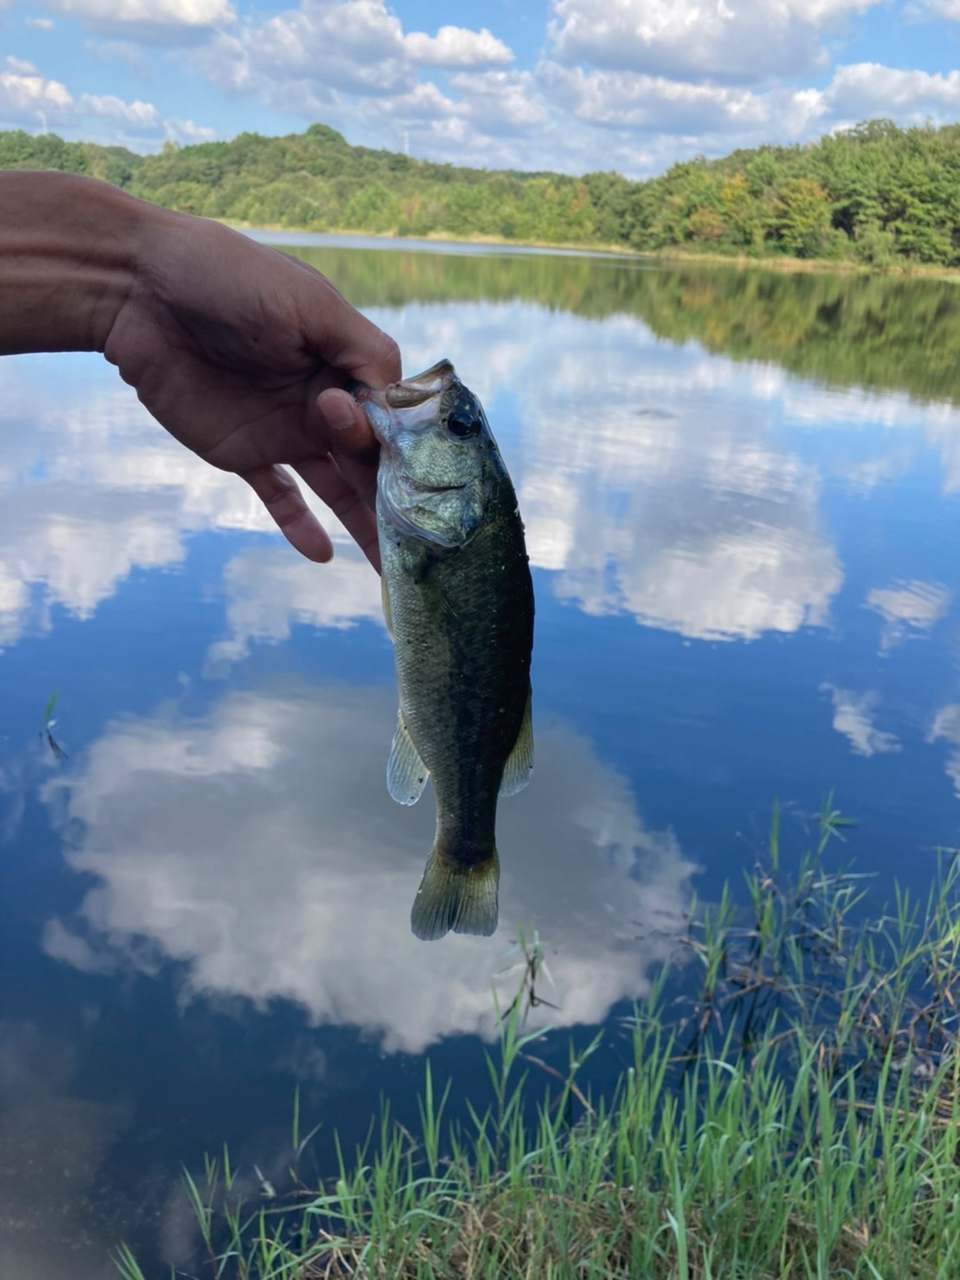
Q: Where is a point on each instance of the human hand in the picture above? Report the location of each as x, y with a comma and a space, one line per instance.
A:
243, 354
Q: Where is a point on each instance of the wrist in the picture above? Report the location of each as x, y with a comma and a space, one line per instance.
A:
69, 254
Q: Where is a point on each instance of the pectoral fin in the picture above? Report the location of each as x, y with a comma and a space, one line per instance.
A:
406, 773
516, 772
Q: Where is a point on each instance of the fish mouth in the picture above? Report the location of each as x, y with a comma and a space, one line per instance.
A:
411, 392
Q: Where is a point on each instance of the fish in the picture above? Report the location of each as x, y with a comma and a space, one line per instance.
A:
459, 607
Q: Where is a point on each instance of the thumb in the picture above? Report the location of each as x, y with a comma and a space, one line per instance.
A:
348, 432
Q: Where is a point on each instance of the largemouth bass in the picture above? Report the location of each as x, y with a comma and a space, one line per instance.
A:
458, 601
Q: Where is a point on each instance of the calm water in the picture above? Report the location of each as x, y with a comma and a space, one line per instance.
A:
742, 498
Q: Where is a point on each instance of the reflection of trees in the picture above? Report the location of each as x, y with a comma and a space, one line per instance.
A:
875, 332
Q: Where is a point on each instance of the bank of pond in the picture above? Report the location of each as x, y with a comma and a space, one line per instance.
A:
787, 1105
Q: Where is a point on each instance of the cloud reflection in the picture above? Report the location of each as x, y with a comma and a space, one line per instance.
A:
93, 489
268, 591
830, 408
654, 480
946, 725
259, 848
908, 608
853, 717
667, 497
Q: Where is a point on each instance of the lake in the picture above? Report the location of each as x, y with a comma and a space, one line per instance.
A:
742, 499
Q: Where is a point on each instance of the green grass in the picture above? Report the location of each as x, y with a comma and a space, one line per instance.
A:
796, 1116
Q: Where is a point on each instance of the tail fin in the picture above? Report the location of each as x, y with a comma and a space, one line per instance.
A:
454, 895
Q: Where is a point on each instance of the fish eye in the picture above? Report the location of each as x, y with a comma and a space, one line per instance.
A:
463, 425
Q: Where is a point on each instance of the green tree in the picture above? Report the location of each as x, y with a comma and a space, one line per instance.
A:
803, 217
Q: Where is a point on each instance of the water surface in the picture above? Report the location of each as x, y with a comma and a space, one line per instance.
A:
742, 500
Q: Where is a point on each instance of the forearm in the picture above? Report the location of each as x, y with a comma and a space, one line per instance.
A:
69, 250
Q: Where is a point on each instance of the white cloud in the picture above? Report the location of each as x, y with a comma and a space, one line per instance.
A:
274, 864
28, 98
652, 115
853, 717
738, 586
865, 475
869, 89
501, 101
149, 21
860, 91
456, 47
296, 58
186, 131
15, 604
748, 41
20, 66
138, 115
425, 102
38, 24
24, 93
623, 99
663, 80
352, 64
356, 45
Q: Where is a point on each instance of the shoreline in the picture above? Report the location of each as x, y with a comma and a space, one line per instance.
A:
599, 248
806, 266
791, 1111
674, 254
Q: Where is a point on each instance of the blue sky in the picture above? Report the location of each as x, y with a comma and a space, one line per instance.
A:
572, 85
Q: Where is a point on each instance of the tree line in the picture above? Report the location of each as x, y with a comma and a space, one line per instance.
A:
874, 194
